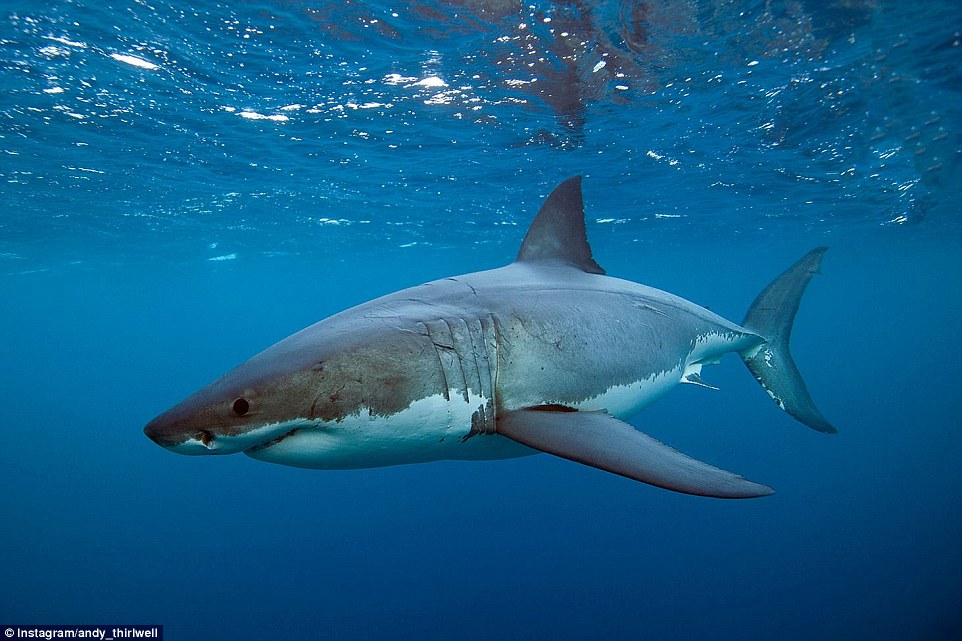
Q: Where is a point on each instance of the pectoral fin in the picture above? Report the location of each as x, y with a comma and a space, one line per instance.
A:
602, 441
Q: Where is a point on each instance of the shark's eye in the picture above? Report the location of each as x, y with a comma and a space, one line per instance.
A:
241, 406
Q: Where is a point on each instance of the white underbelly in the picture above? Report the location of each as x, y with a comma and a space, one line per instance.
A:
430, 429
623, 401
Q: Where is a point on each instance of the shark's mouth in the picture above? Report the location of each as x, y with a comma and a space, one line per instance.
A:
273, 441
207, 442
200, 443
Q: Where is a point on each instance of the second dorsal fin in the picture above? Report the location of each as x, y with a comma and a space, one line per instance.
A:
558, 232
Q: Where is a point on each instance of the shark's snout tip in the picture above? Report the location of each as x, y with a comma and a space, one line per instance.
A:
152, 431
155, 436
160, 432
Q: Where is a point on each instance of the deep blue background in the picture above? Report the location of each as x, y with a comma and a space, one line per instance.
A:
113, 310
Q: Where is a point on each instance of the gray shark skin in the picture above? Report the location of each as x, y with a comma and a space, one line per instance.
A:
546, 354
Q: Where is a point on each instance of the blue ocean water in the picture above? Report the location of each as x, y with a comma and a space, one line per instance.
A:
186, 183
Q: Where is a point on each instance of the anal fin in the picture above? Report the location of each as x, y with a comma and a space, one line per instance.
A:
602, 441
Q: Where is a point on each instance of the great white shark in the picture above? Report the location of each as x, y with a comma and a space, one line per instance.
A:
546, 354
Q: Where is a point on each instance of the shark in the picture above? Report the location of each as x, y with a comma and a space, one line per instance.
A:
546, 354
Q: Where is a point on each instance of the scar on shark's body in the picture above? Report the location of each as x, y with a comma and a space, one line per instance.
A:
546, 354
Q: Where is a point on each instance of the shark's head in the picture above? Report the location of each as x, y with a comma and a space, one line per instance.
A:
349, 365
248, 407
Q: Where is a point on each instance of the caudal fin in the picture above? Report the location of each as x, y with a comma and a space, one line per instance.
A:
771, 316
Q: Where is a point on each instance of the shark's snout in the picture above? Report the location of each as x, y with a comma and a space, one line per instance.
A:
160, 432
188, 429
173, 435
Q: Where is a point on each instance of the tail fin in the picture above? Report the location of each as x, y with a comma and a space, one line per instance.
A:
771, 316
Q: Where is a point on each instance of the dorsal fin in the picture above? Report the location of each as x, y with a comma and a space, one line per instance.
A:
558, 231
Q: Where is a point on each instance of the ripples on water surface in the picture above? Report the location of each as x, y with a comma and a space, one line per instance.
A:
290, 119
